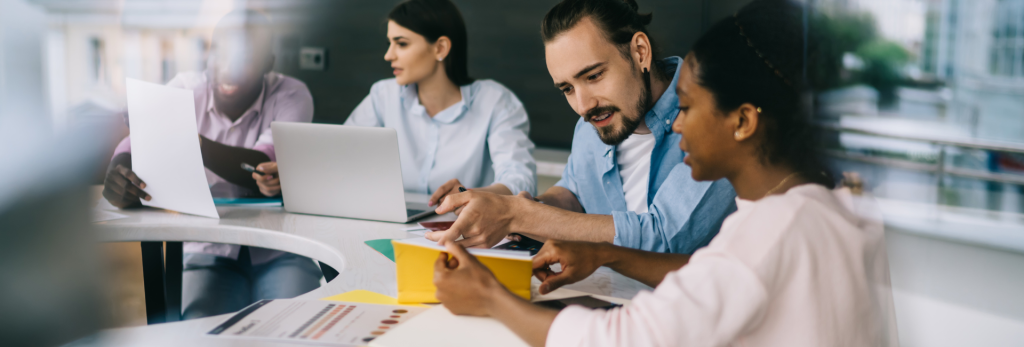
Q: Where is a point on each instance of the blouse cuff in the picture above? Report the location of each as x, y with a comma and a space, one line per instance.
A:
515, 186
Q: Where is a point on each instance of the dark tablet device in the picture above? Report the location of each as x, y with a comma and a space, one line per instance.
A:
524, 244
585, 301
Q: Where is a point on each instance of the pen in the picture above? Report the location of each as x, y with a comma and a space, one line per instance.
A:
439, 200
247, 167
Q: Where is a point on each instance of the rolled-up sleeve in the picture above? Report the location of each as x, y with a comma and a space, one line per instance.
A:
295, 104
568, 180
709, 302
510, 147
684, 216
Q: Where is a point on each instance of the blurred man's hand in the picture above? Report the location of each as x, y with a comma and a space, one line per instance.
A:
122, 188
270, 183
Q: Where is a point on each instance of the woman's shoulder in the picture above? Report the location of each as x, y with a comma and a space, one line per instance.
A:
387, 86
785, 220
801, 202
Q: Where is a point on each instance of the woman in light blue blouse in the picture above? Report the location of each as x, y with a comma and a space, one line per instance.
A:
452, 131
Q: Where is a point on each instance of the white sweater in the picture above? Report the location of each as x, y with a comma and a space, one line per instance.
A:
806, 268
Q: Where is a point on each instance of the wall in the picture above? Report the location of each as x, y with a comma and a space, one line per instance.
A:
955, 294
504, 46
22, 93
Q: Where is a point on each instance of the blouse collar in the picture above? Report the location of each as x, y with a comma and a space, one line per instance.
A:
447, 116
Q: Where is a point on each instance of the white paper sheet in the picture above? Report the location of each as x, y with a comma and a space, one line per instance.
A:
435, 327
103, 204
315, 321
99, 215
165, 148
439, 327
494, 253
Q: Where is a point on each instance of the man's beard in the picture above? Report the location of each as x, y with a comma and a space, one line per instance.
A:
612, 136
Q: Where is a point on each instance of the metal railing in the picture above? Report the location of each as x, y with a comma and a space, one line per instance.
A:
939, 167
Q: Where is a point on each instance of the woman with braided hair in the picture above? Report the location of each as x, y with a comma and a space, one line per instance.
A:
799, 263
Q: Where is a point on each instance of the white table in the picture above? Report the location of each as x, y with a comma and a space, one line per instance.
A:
337, 242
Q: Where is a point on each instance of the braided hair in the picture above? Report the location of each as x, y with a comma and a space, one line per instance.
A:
619, 20
757, 57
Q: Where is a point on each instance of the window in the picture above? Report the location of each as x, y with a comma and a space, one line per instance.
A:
96, 61
1006, 57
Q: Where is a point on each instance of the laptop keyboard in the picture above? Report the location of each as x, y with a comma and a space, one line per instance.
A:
410, 212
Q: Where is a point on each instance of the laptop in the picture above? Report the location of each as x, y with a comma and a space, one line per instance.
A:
343, 171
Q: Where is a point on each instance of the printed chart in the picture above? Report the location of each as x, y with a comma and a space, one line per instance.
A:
315, 321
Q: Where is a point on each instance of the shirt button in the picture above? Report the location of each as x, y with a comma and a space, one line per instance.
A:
668, 122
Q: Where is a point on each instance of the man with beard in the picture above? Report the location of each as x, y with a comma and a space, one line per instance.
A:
625, 181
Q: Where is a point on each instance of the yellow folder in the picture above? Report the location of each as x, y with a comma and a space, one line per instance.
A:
415, 258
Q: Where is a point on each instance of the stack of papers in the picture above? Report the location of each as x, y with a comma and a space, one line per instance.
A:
315, 321
102, 211
247, 201
439, 327
99, 215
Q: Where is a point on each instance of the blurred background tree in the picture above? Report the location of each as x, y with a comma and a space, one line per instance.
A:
848, 50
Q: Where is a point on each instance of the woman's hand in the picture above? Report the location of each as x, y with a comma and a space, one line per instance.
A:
270, 183
577, 259
450, 187
464, 285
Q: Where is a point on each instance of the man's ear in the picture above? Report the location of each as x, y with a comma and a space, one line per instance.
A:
641, 50
747, 118
442, 47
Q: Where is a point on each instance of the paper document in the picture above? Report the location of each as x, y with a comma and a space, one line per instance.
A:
247, 201
103, 204
434, 327
99, 215
165, 148
439, 327
480, 252
315, 321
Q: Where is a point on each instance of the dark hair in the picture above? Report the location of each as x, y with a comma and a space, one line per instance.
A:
757, 57
433, 19
618, 19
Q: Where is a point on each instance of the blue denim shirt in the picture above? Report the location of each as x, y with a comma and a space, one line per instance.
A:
683, 214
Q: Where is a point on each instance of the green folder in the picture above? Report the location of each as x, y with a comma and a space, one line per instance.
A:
383, 246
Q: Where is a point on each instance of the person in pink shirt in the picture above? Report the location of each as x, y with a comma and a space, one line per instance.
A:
236, 100
798, 263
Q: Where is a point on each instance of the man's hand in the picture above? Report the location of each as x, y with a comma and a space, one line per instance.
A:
450, 187
577, 259
464, 285
485, 219
122, 188
270, 184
